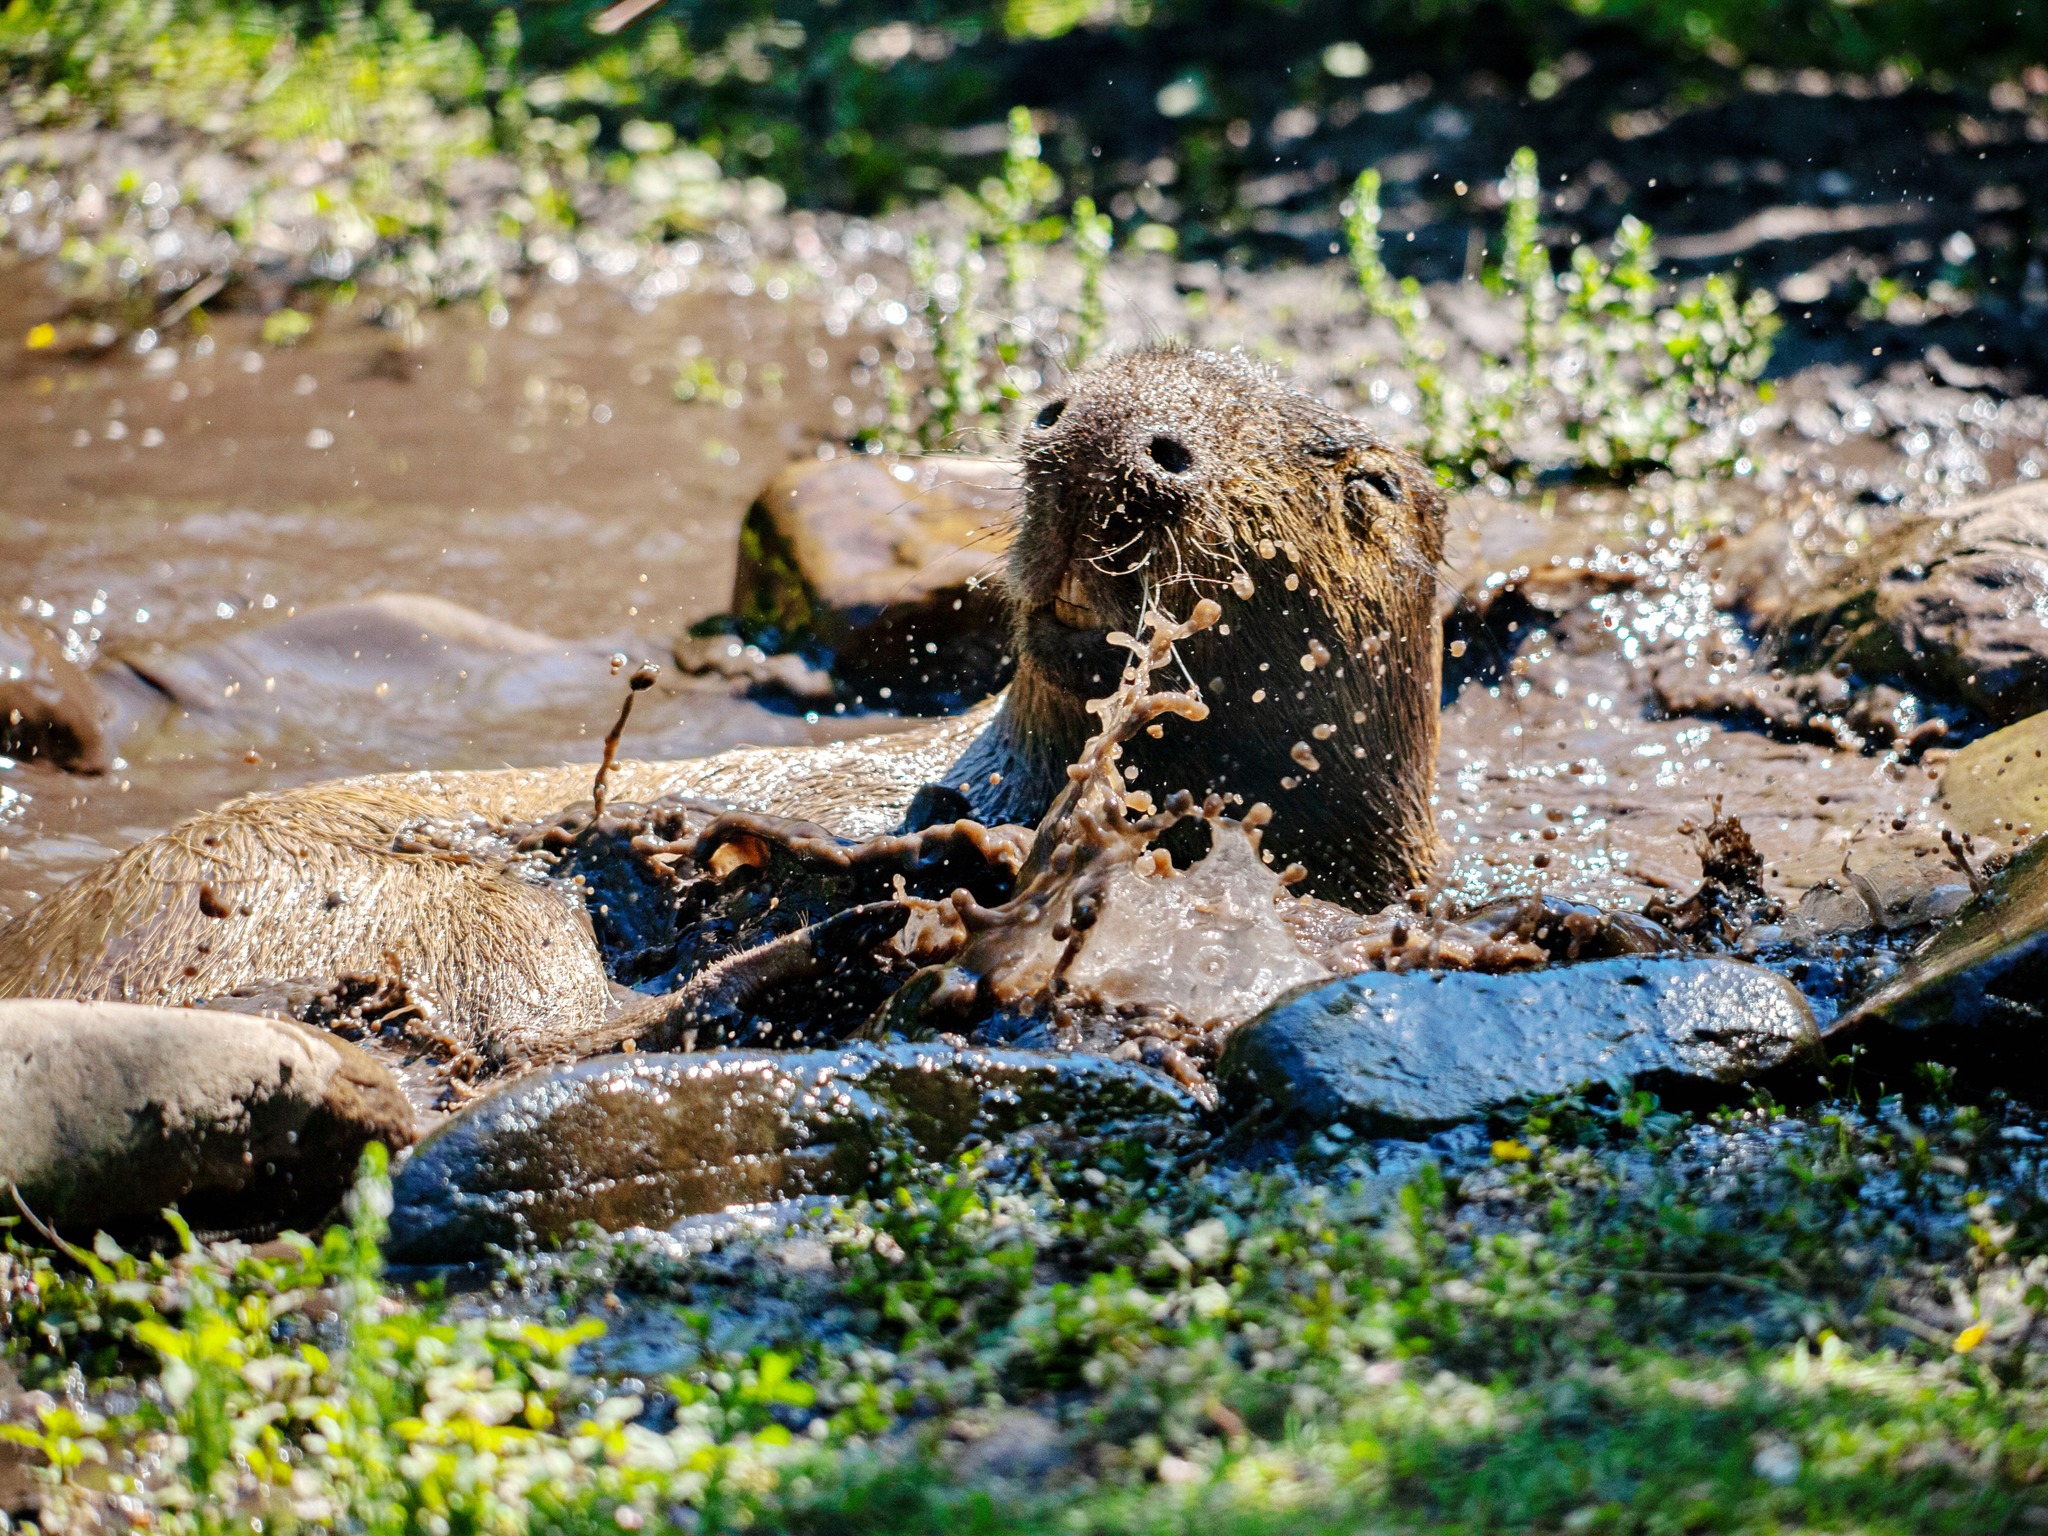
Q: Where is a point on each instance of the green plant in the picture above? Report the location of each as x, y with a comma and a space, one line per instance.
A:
982, 363
1740, 1321
1094, 236
1614, 371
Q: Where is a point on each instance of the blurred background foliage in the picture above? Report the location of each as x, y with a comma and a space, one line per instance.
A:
861, 103
865, 105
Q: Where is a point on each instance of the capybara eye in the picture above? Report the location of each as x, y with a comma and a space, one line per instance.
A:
1171, 456
1379, 480
1049, 413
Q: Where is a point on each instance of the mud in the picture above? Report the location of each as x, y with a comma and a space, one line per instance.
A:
172, 507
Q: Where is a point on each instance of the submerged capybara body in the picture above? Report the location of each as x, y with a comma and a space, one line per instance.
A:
1159, 479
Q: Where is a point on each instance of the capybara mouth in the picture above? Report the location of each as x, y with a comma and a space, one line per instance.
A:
1071, 604
1071, 649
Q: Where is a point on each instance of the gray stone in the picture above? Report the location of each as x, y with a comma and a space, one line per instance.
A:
110, 1112
642, 1140
1407, 1053
1949, 604
874, 558
1010, 1445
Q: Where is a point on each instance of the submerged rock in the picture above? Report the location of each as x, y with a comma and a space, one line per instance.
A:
110, 1112
50, 709
1410, 1053
1975, 996
404, 647
879, 562
642, 1140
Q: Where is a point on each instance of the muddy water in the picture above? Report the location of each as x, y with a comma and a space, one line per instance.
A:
540, 471
1558, 773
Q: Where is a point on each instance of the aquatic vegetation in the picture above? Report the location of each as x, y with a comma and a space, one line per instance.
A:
1613, 370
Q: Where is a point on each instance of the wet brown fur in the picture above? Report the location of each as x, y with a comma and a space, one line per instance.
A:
1251, 466
311, 886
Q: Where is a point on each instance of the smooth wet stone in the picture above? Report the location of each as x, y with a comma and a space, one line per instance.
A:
875, 560
642, 1140
1975, 996
1398, 1054
1997, 787
110, 1112
50, 709
1886, 884
1950, 604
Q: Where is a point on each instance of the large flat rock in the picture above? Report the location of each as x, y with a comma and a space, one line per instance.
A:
109, 1112
1410, 1053
1949, 604
642, 1140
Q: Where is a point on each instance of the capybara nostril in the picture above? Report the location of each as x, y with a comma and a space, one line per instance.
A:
1049, 413
1171, 455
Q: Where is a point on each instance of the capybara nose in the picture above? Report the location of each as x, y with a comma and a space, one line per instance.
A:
1170, 454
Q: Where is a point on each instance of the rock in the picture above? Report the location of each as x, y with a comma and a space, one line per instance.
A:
109, 1112
869, 560
641, 1140
1952, 604
1012, 1445
398, 649
1886, 882
1971, 997
1408, 1053
730, 657
1998, 787
50, 710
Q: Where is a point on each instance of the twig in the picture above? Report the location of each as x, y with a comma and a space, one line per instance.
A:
601, 790
614, 17
1959, 851
191, 299
69, 1250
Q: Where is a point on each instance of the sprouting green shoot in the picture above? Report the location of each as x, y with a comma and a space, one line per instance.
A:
1525, 264
1093, 238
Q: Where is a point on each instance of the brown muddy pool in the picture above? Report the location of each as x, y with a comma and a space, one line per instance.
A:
542, 472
